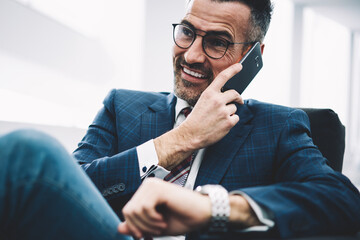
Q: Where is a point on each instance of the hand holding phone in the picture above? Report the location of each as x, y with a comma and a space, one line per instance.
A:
252, 63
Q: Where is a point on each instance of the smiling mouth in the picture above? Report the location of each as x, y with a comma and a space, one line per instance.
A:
193, 74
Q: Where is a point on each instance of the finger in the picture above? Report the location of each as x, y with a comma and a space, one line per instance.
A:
234, 119
233, 96
231, 109
146, 227
152, 220
130, 229
146, 215
124, 229
225, 75
151, 215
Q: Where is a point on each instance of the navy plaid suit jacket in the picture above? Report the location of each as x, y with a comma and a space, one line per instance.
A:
269, 155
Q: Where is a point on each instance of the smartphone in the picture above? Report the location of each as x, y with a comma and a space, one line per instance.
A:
252, 63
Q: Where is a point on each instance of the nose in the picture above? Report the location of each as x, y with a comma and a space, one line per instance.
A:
195, 53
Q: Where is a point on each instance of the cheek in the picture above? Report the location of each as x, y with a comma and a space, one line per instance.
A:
177, 51
230, 58
174, 50
222, 64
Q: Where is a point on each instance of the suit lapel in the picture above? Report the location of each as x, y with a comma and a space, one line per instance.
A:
219, 156
159, 118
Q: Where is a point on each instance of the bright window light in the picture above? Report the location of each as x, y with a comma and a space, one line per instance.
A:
325, 75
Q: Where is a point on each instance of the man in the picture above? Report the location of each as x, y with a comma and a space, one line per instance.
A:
262, 154
279, 182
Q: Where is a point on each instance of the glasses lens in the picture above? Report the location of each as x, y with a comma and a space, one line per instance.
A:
215, 46
183, 36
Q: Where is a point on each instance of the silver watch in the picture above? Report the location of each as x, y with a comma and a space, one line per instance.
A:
220, 207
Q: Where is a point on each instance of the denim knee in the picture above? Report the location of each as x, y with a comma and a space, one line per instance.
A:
26, 153
26, 139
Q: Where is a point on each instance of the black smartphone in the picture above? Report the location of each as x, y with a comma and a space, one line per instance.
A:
252, 63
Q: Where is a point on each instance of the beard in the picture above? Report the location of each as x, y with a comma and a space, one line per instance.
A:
188, 91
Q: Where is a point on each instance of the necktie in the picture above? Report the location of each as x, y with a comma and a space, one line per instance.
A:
179, 174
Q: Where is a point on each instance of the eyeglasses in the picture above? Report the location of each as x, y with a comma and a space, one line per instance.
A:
213, 45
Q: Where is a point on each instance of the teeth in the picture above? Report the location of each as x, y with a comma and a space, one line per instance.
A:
194, 74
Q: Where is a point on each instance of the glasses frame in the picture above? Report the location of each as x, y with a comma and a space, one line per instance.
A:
195, 31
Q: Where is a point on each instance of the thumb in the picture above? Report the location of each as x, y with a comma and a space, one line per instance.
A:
123, 228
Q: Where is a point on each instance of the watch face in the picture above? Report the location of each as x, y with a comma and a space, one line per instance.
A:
206, 189
198, 189
210, 187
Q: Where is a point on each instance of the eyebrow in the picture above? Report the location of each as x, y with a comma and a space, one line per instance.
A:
218, 33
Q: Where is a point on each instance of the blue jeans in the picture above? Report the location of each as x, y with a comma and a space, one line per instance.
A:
44, 194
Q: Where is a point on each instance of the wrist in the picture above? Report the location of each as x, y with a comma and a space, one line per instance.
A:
191, 141
220, 208
171, 148
207, 210
241, 214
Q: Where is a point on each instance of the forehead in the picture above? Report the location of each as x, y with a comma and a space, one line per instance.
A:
209, 15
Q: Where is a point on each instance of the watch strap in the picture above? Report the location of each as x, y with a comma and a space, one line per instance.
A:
220, 206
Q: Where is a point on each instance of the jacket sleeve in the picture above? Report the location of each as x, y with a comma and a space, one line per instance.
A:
308, 197
114, 169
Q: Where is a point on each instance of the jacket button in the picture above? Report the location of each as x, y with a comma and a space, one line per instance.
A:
105, 193
121, 187
115, 189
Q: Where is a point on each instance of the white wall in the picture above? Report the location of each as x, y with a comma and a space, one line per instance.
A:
352, 156
69, 137
157, 61
326, 61
54, 73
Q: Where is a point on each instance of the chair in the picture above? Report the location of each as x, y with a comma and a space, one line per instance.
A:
328, 134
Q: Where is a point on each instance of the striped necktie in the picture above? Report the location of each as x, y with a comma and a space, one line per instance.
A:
179, 174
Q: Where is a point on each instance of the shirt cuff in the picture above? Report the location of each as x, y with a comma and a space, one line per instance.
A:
264, 215
148, 161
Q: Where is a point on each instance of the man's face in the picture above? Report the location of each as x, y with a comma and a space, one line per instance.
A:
193, 69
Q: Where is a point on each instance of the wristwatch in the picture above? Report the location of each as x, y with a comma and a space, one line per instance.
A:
220, 207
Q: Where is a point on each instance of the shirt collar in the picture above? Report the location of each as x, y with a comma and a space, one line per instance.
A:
180, 105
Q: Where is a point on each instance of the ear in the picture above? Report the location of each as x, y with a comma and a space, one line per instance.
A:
262, 46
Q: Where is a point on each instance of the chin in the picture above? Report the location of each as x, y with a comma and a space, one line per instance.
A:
190, 94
